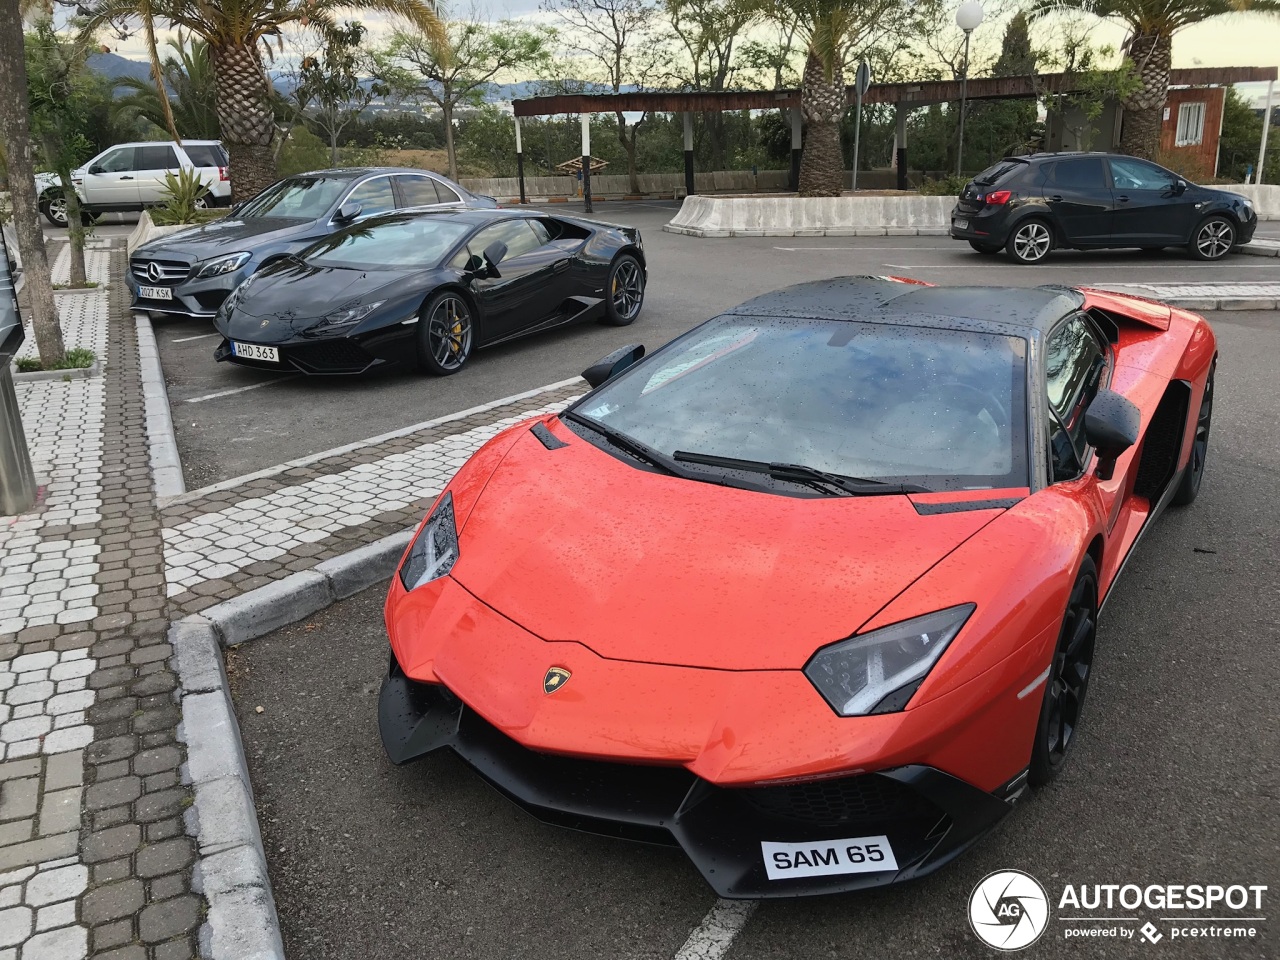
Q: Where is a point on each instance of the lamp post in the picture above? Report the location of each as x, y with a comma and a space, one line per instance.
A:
968, 16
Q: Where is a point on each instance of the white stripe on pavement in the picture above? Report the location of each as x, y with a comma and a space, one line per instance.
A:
719, 928
203, 336
1183, 267
252, 386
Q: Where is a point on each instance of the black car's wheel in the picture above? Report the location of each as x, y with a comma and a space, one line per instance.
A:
1213, 239
446, 333
1030, 242
1189, 488
1068, 680
985, 247
626, 291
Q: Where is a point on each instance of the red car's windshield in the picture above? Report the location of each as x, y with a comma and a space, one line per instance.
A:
941, 408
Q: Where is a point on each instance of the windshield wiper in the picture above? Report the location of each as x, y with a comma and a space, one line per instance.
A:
799, 473
637, 449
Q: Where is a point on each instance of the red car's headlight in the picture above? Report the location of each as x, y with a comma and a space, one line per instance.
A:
434, 550
877, 672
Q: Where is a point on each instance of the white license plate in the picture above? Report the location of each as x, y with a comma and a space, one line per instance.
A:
155, 293
251, 351
824, 857
960, 224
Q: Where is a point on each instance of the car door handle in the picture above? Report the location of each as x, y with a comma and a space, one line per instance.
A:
1055, 199
560, 266
126, 178
1122, 199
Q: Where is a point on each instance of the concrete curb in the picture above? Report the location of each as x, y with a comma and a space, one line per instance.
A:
1263, 249
76, 373
166, 465
231, 871
242, 923
1199, 304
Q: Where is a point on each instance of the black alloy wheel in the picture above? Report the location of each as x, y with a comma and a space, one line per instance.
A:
984, 247
626, 291
1213, 239
1030, 242
1189, 488
446, 334
1068, 680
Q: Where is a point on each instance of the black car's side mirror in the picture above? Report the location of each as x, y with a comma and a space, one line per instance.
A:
612, 364
1111, 425
1179, 188
347, 212
493, 255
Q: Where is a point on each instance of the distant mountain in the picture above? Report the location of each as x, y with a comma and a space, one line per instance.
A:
114, 66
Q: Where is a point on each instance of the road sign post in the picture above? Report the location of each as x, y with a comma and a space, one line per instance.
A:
861, 85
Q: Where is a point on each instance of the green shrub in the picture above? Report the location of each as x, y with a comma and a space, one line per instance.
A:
183, 196
303, 151
74, 359
949, 186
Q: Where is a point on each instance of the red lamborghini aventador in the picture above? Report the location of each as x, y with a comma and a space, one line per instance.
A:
812, 590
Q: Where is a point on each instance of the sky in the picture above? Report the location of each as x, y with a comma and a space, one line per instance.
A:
1233, 40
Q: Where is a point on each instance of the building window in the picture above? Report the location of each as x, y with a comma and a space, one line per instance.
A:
1190, 125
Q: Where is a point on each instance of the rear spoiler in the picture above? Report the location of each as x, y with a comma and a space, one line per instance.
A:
1124, 308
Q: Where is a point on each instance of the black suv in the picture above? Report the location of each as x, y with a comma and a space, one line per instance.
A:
1029, 205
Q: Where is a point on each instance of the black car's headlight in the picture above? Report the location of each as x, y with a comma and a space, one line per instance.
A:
345, 316
877, 672
435, 549
227, 264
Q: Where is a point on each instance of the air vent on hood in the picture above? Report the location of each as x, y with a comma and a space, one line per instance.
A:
547, 438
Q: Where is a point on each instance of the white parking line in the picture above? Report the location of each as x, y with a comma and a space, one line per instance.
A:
845, 249
252, 386
203, 336
719, 928
1082, 266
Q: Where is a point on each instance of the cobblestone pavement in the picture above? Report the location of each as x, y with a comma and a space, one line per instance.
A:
94, 860
237, 536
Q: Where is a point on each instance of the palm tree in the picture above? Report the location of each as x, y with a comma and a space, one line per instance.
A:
1148, 48
188, 75
236, 31
828, 28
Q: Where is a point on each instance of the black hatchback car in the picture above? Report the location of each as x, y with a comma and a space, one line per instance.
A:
1027, 206
191, 272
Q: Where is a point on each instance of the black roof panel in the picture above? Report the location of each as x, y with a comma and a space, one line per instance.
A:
882, 300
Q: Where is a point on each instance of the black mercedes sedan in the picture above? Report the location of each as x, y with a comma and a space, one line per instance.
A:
1028, 206
428, 288
191, 272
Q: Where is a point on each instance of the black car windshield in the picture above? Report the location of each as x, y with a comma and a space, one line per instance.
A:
402, 241
941, 408
297, 198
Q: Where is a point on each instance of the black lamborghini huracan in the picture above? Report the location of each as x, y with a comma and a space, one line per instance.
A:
429, 288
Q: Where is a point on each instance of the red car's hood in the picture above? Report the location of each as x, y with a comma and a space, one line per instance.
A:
573, 544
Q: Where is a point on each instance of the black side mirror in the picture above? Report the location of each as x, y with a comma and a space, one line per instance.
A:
1111, 426
493, 255
1179, 188
612, 364
96, 169
347, 212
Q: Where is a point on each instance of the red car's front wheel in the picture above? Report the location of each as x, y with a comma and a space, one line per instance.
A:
1068, 679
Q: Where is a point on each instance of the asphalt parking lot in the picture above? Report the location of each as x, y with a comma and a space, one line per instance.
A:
1174, 779
232, 420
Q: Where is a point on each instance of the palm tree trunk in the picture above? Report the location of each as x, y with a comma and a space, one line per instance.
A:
1140, 132
822, 102
244, 112
15, 134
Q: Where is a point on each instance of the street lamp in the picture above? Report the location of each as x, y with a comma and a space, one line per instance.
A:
968, 16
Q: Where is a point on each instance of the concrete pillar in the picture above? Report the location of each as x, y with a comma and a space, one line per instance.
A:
586, 163
689, 189
900, 113
797, 145
520, 162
